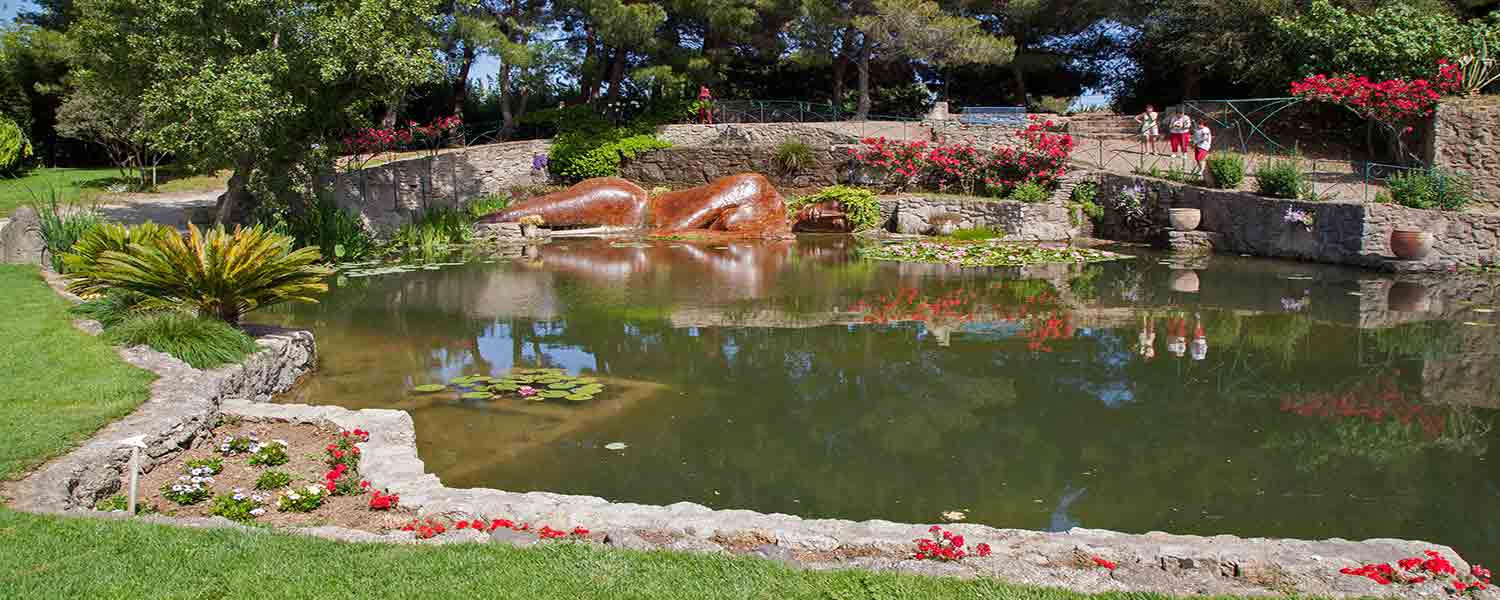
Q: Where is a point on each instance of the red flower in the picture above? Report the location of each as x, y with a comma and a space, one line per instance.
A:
983, 549
463, 524
1104, 563
580, 531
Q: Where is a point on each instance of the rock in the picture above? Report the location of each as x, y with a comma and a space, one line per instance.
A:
21, 240
628, 540
692, 544
774, 552
518, 539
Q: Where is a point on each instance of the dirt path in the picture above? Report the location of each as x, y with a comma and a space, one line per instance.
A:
167, 208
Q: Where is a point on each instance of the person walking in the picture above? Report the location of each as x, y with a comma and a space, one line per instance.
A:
1180, 130
705, 103
1203, 141
1150, 128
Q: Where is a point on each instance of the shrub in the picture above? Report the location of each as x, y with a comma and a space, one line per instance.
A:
220, 274
793, 155
1282, 178
1030, 192
62, 226
239, 506
1057, 105
1227, 170
15, 149
1438, 189
859, 205
486, 205
582, 155
273, 480
198, 341
271, 454
83, 257
1083, 196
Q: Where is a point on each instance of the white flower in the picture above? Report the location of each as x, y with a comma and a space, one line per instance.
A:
282, 442
293, 496
256, 512
314, 490
182, 478
239, 497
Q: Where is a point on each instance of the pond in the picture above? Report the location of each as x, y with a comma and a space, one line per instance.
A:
1196, 396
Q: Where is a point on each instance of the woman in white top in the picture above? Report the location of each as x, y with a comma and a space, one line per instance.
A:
1150, 128
1179, 128
1203, 140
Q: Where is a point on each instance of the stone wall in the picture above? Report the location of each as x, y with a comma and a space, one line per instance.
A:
978, 136
1042, 222
1350, 233
390, 195
1465, 136
694, 166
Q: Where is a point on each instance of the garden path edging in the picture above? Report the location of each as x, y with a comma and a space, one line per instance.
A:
1157, 562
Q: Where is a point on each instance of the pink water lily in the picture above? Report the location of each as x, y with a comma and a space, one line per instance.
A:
526, 391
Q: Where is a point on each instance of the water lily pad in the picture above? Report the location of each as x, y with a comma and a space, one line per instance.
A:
589, 389
477, 396
586, 380
504, 387
549, 380
552, 394
580, 397
521, 378
616, 446
564, 385
429, 388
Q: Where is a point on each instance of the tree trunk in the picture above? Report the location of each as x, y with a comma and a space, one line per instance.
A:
461, 84
236, 203
1018, 78
863, 110
617, 74
507, 118
392, 109
841, 68
587, 84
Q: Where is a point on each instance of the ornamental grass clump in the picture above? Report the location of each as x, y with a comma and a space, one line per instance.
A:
201, 342
219, 274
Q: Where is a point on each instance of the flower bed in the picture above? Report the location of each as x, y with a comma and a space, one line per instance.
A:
984, 254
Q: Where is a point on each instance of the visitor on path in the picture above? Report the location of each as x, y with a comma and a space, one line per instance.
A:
1180, 131
1200, 341
1150, 128
1203, 140
1146, 342
705, 100
1177, 337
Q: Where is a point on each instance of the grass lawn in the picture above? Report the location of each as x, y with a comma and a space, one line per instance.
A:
61, 385
72, 185
88, 185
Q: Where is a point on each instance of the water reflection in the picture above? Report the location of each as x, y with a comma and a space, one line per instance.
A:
792, 377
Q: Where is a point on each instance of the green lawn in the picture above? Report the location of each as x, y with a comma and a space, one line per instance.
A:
71, 185
61, 385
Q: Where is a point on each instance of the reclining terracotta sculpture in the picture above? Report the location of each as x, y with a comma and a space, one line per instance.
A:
746, 205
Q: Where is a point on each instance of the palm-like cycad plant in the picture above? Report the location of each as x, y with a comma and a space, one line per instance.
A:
221, 275
83, 259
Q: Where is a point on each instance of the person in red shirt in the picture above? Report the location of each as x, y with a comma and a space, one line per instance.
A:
705, 114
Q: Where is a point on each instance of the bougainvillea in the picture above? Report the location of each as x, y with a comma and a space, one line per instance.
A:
1395, 104
1039, 154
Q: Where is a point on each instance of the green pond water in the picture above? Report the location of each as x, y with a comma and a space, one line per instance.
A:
1206, 396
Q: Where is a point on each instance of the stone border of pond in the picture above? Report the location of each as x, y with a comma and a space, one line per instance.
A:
185, 404
1345, 233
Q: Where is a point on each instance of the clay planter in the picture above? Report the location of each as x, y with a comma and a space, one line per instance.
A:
1409, 244
1185, 282
1409, 297
1184, 219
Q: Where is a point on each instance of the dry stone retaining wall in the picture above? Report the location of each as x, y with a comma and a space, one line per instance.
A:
1041, 222
694, 166
391, 195
1465, 136
1349, 233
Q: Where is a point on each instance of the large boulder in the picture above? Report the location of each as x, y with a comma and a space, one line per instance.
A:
21, 240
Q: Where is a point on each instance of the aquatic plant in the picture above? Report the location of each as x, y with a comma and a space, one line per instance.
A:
535, 384
984, 254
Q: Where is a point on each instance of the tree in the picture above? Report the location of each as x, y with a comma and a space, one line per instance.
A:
610, 30
254, 84
1396, 40
118, 124
1040, 31
923, 32
824, 34
34, 62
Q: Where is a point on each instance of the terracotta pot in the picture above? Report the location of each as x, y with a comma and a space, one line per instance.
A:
1409, 297
1410, 244
1184, 219
1185, 282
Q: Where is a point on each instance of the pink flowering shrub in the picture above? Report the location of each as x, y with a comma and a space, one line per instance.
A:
1395, 104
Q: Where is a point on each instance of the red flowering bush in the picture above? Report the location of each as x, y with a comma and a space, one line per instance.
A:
1103, 563
1420, 569
945, 546
1040, 154
343, 450
1376, 401
1393, 103
342, 480
365, 144
382, 499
